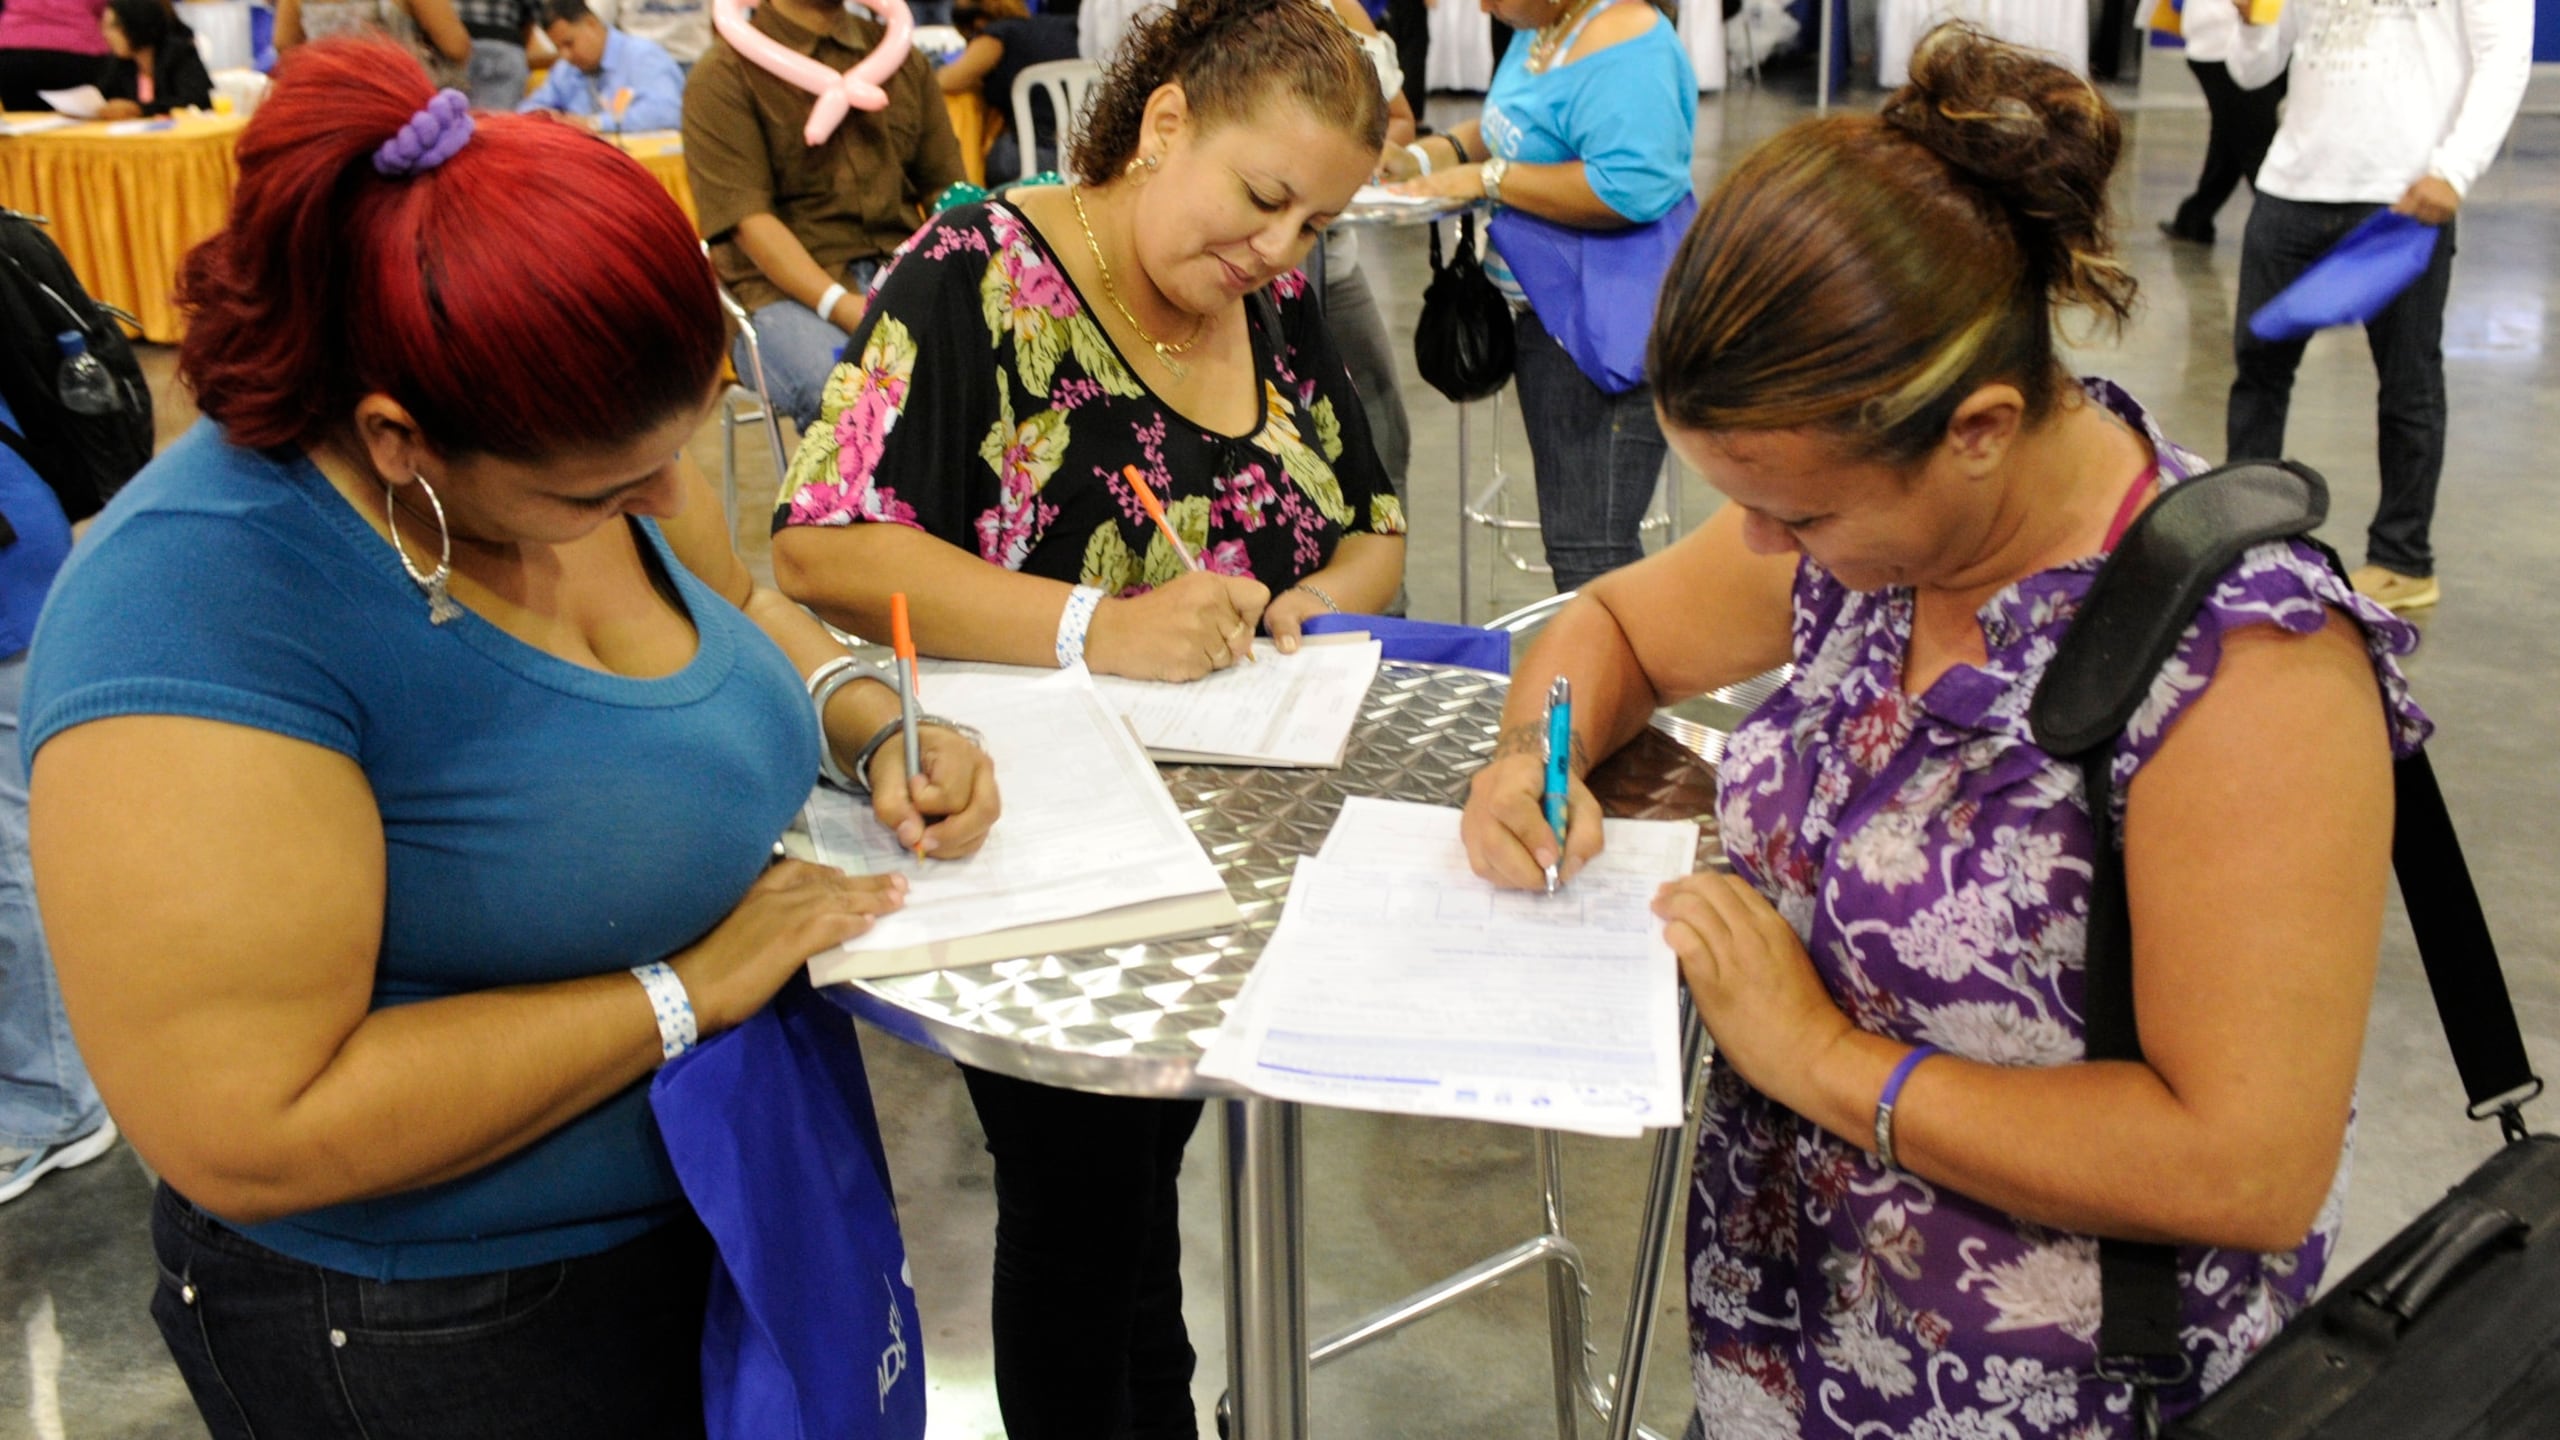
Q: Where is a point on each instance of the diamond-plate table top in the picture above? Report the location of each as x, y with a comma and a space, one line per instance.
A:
1132, 1019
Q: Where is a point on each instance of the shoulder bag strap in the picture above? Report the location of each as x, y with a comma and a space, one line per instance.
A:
2143, 600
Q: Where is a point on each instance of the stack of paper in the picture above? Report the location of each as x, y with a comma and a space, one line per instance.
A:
81, 102
1090, 850
1399, 981
1281, 711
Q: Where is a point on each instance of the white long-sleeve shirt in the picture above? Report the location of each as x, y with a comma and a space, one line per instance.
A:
2386, 92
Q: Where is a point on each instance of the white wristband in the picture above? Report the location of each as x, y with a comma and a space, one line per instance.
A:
1420, 156
676, 1030
827, 303
1073, 622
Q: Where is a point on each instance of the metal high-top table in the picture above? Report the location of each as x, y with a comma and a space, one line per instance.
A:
1132, 1019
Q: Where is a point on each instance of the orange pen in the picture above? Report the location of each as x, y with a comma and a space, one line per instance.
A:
903, 641
1155, 511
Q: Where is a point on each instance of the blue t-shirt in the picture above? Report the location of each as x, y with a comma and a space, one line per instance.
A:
542, 820
1628, 113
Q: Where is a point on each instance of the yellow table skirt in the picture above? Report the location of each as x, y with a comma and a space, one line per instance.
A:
126, 209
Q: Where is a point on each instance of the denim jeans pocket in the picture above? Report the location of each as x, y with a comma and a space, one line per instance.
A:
458, 1310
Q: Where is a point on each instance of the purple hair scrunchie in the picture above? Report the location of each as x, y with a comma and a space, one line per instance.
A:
429, 139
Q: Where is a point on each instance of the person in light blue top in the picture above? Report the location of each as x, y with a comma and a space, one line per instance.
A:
614, 81
408, 752
1591, 123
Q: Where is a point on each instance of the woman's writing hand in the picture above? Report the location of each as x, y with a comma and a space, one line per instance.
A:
793, 911
1505, 825
1756, 988
1181, 631
950, 807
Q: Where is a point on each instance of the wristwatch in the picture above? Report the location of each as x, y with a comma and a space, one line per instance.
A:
1493, 170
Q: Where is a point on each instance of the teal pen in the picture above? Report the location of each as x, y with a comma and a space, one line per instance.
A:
1559, 750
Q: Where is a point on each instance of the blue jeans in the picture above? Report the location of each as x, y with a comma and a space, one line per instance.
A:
800, 350
2407, 340
45, 1094
602, 1347
497, 74
1597, 455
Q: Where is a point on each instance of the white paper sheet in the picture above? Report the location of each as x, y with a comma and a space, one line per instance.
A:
1379, 195
81, 102
1087, 827
1283, 710
1398, 981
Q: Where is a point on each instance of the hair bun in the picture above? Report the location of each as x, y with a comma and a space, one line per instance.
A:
2037, 138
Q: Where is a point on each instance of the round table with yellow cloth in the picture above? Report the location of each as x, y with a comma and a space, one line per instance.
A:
126, 208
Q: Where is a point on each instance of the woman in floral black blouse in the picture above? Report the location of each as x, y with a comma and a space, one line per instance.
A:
1020, 354
1016, 358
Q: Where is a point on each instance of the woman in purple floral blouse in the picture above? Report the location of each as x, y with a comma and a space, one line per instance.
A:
1856, 346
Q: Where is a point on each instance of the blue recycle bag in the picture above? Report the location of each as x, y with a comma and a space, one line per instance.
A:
1594, 290
2357, 280
1424, 642
811, 1330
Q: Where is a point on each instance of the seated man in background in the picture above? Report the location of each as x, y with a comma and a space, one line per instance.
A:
1004, 41
798, 230
604, 78
682, 26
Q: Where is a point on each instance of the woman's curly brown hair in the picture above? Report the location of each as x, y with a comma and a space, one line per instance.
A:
1229, 56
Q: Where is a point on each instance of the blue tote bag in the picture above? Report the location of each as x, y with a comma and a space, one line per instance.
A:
2356, 281
811, 1330
1594, 290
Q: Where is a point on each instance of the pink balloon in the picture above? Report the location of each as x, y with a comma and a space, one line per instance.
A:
838, 91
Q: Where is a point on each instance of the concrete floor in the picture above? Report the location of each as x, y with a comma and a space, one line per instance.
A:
1396, 1203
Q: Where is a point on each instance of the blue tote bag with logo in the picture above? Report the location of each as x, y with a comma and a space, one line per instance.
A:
811, 1330
1594, 290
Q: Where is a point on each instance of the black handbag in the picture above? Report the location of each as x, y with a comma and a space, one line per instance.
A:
1463, 345
2452, 1330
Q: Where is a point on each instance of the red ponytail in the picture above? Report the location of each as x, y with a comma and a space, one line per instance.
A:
539, 291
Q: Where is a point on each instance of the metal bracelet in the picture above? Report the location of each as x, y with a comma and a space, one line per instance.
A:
860, 782
824, 682
1319, 594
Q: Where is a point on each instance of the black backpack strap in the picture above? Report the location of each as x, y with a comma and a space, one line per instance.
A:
2144, 598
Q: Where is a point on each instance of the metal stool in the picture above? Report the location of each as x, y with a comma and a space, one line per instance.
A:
747, 401
1491, 509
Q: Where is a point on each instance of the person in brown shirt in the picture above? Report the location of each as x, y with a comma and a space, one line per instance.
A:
798, 230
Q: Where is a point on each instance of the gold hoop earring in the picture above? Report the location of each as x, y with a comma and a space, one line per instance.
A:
440, 606
1142, 162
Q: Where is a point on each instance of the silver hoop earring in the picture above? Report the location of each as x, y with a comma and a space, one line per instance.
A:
440, 606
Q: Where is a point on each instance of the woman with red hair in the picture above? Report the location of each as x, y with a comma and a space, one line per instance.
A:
409, 748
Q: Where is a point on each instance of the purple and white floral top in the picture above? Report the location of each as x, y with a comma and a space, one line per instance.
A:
1936, 864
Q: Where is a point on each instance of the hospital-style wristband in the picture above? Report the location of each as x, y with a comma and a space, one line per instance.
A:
1073, 622
676, 1030
1893, 1093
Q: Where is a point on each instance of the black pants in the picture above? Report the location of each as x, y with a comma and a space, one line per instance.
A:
2244, 125
604, 1347
2407, 339
1089, 1338
24, 72
1409, 26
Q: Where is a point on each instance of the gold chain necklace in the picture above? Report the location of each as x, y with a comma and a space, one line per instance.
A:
1164, 352
1542, 49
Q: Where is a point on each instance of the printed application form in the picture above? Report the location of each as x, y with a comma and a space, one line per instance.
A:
1283, 710
1399, 981
1088, 831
